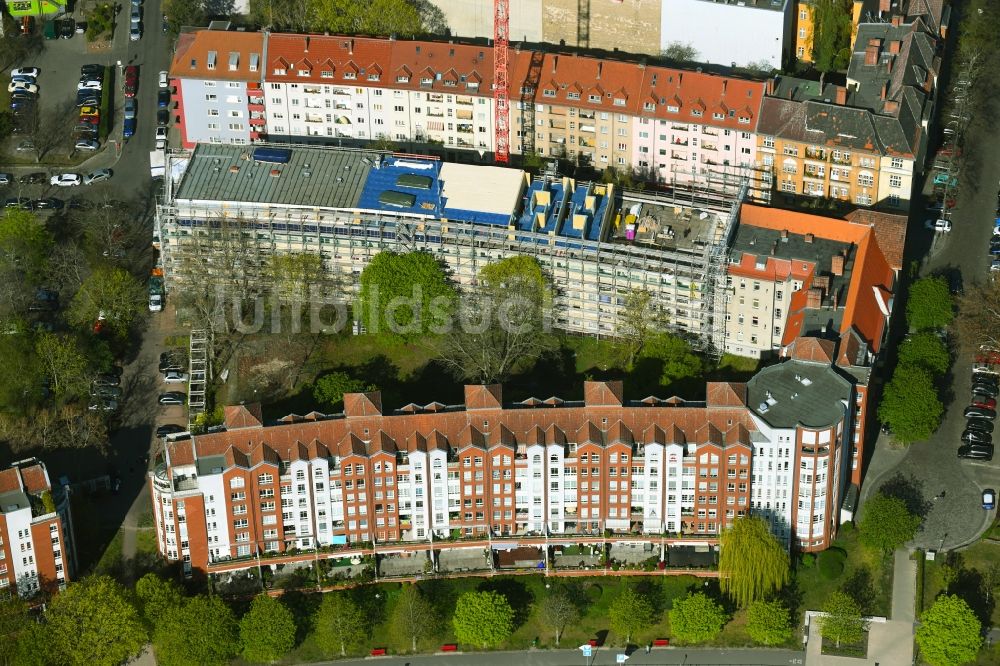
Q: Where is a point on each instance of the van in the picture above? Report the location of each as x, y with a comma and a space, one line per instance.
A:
49, 30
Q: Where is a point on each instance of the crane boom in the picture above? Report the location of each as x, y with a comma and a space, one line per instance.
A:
501, 99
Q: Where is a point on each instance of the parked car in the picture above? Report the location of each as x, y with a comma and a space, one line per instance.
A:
128, 128
65, 180
6, 179
106, 391
92, 69
984, 401
99, 403
49, 203
938, 225
33, 178
18, 202
32, 72
163, 80
982, 425
25, 146
130, 107
977, 437
107, 379
175, 377
162, 99
989, 499
135, 16
87, 98
171, 361
23, 79
980, 412
989, 390
169, 429
22, 87
67, 27
134, 33
89, 85
161, 137
172, 398
96, 176
976, 452
163, 117
131, 80
87, 144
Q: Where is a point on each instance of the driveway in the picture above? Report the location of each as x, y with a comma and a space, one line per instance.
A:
932, 467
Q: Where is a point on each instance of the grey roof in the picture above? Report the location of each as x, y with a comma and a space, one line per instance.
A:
819, 123
211, 464
331, 177
13, 501
799, 393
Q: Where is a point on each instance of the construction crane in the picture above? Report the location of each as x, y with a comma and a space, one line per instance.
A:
501, 102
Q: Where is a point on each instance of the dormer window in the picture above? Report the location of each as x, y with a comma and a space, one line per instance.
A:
212, 57
549, 92
744, 120
594, 99
649, 106
451, 83
350, 75
472, 85
696, 113
426, 81
279, 71
303, 72
619, 101
326, 74
573, 95
373, 76
402, 79
718, 116
673, 109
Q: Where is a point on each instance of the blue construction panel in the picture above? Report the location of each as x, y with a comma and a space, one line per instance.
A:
426, 202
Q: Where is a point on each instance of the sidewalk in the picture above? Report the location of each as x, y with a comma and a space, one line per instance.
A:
890, 643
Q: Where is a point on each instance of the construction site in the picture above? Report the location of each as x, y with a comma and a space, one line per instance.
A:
226, 210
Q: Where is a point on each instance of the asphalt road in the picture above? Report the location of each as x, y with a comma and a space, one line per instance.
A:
602, 657
932, 467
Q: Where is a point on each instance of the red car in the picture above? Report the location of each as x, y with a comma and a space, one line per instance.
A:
131, 80
984, 401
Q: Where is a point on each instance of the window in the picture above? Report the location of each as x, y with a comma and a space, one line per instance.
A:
768, 142
866, 179
897, 163
895, 181
211, 97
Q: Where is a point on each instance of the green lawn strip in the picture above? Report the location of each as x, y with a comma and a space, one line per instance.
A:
815, 588
974, 560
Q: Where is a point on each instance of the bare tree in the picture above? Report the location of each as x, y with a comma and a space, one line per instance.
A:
53, 128
634, 323
979, 315
556, 612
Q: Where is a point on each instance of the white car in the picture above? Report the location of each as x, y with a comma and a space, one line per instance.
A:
89, 85
134, 33
21, 86
65, 180
174, 377
161, 138
96, 176
938, 225
163, 79
31, 72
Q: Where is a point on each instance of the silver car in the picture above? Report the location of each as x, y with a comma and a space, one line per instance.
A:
96, 176
130, 107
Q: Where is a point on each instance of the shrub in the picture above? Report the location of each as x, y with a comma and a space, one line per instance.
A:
807, 560
831, 563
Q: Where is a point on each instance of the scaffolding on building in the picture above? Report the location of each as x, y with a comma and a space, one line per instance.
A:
199, 373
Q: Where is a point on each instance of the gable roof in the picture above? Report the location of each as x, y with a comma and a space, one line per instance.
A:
193, 51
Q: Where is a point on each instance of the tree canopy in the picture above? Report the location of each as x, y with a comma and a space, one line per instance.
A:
14, 623
329, 389
340, 624
696, 618
484, 619
831, 46
752, 563
911, 404
405, 296
949, 633
267, 630
843, 622
930, 304
413, 616
93, 623
630, 612
375, 17
886, 523
25, 243
979, 315
201, 630
675, 355
926, 350
65, 364
768, 622
113, 292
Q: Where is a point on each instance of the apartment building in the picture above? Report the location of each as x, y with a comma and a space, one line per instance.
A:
437, 97
718, 31
36, 530
468, 216
777, 446
215, 75
792, 274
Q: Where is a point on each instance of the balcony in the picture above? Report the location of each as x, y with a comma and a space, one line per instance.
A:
435, 113
589, 129
256, 102
679, 128
557, 124
710, 132
465, 100
463, 114
435, 97
708, 146
841, 159
586, 143
678, 142
816, 154
311, 90
463, 128
258, 121
678, 156
813, 172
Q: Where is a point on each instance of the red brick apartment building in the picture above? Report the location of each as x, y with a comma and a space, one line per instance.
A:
36, 530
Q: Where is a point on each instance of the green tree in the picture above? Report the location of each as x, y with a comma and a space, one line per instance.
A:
752, 563
201, 630
14, 623
886, 523
843, 622
182, 13
911, 404
156, 597
413, 617
93, 623
679, 360
634, 323
768, 622
949, 633
24, 374
557, 611
113, 292
930, 304
519, 269
340, 624
330, 389
831, 35
293, 273
680, 51
405, 296
267, 630
696, 618
64, 362
24, 244
630, 613
483, 618
926, 350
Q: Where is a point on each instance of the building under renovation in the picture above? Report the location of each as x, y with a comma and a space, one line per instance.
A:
228, 206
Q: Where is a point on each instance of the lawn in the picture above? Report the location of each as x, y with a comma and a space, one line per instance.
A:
593, 597
867, 577
972, 565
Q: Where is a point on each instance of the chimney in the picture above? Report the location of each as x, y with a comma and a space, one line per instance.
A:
350, 47
885, 89
836, 299
890, 106
809, 238
897, 20
555, 63
894, 46
814, 298
306, 48
841, 96
871, 53
888, 65
724, 82
600, 66
769, 89
929, 81
884, 5
774, 248
784, 234
822, 282
837, 264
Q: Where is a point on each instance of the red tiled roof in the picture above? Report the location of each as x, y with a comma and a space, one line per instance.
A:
775, 270
34, 479
191, 58
9, 481
317, 54
812, 349
243, 416
890, 231
802, 223
869, 293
